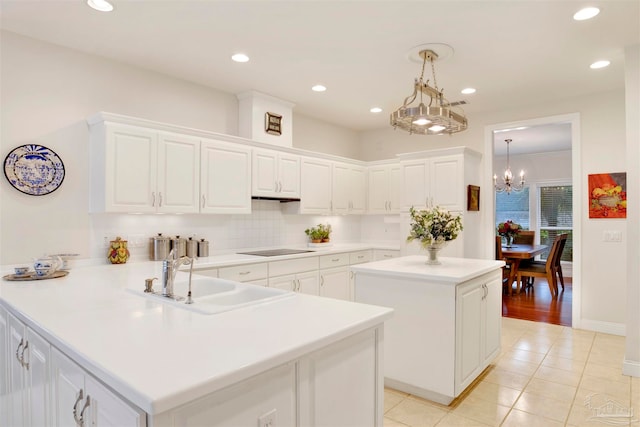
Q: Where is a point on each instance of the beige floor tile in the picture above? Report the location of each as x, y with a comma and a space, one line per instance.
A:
524, 355
453, 420
558, 375
415, 413
618, 390
482, 410
572, 365
569, 353
392, 398
538, 345
388, 422
571, 347
584, 412
495, 393
607, 356
518, 418
543, 406
517, 366
561, 392
507, 379
611, 373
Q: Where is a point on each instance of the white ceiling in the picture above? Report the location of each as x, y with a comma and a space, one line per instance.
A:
513, 52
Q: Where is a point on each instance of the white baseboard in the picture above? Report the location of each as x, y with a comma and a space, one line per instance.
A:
603, 327
631, 368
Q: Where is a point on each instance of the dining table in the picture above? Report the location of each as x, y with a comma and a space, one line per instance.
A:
516, 253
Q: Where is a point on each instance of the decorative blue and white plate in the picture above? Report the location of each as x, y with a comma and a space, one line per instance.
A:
34, 169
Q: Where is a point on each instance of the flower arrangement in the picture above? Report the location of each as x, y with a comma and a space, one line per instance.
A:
320, 233
433, 226
509, 229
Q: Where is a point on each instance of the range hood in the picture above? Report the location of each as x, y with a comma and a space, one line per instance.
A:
276, 199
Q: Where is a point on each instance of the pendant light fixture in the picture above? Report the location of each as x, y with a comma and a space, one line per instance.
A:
435, 117
508, 185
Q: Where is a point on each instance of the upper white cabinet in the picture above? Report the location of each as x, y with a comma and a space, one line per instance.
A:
384, 189
275, 174
315, 186
136, 169
349, 188
438, 178
225, 184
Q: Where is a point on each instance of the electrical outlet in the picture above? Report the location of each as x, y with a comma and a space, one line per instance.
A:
268, 419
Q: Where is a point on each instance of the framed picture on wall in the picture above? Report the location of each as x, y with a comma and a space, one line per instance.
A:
608, 195
473, 198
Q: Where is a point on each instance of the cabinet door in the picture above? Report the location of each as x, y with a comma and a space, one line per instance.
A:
341, 183
414, 184
308, 283
395, 177
334, 283
264, 177
38, 380
469, 333
5, 355
446, 182
67, 390
130, 169
492, 317
107, 410
17, 380
357, 190
378, 194
178, 188
225, 178
287, 283
315, 186
289, 175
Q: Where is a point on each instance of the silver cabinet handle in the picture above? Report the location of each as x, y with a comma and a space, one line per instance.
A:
360, 256
244, 273
18, 350
153, 198
22, 362
203, 201
321, 280
160, 199
388, 256
84, 408
335, 260
75, 409
297, 285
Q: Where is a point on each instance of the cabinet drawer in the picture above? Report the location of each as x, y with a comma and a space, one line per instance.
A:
244, 273
359, 257
335, 260
293, 266
381, 254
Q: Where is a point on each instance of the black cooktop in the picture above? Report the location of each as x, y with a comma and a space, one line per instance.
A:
275, 252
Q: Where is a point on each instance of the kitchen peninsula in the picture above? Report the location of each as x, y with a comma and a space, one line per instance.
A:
85, 348
446, 325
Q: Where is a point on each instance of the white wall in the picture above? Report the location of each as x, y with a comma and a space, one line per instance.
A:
49, 91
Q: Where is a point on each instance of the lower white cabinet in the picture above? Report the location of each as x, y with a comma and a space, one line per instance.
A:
305, 283
80, 400
334, 283
28, 393
339, 385
380, 254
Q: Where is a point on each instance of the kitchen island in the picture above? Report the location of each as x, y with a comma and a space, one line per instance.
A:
446, 325
85, 348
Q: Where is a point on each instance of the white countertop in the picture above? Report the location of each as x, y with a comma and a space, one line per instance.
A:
158, 356
451, 270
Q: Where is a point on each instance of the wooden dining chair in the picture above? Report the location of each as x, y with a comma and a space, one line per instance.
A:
525, 237
547, 269
557, 265
506, 270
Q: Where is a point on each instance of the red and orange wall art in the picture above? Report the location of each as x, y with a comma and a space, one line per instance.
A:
608, 195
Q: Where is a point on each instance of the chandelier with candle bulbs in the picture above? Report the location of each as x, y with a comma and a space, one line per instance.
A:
508, 185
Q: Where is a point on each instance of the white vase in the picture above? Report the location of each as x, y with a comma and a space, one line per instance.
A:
432, 253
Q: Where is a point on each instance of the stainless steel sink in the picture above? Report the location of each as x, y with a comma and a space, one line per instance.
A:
212, 296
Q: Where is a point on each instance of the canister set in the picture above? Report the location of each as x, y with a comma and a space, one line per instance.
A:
162, 246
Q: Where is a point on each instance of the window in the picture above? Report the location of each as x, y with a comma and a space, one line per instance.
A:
513, 206
556, 216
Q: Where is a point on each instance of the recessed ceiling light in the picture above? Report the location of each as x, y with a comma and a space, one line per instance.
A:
101, 5
468, 91
240, 57
600, 64
586, 13
376, 110
318, 88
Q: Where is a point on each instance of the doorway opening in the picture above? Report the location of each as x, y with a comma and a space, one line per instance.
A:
548, 151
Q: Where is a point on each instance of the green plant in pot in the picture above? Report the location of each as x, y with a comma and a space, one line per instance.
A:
319, 233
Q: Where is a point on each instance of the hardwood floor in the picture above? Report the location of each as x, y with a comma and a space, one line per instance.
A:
536, 304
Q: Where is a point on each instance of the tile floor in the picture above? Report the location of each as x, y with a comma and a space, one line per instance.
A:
547, 375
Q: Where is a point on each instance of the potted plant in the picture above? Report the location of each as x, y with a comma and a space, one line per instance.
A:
319, 233
509, 230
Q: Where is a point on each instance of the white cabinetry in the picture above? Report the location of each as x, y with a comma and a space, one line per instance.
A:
434, 181
349, 188
315, 186
78, 399
380, 254
384, 189
298, 275
275, 174
478, 324
334, 276
29, 400
135, 169
225, 170
256, 274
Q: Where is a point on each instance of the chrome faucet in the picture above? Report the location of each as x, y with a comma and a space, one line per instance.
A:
169, 269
